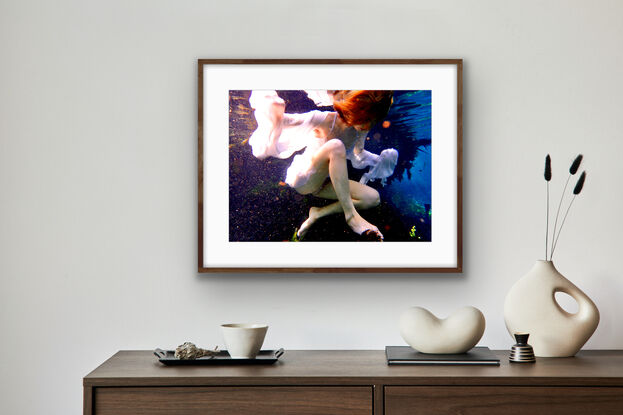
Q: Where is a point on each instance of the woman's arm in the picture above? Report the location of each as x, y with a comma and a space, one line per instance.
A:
362, 158
360, 144
381, 166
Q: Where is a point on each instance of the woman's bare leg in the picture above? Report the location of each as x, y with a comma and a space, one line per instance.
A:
363, 197
331, 158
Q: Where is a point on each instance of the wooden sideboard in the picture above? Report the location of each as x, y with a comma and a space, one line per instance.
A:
356, 382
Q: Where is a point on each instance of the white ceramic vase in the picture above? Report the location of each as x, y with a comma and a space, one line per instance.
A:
531, 307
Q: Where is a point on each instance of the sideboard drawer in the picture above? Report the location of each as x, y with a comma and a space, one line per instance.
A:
521, 400
243, 400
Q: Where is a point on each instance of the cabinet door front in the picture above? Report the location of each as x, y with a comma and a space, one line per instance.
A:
244, 400
521, 400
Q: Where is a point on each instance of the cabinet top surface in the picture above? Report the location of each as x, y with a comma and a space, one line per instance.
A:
358, 367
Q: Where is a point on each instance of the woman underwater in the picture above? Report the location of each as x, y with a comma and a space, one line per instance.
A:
329, 139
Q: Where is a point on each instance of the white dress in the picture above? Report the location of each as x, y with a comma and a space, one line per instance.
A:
296, 132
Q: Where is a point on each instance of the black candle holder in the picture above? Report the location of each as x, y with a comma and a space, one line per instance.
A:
522, 352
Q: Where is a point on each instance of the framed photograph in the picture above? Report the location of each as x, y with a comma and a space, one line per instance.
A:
330, 165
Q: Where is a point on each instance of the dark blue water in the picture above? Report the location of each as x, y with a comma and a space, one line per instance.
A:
409, 189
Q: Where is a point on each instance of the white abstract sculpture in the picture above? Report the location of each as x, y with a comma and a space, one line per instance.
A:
457, 333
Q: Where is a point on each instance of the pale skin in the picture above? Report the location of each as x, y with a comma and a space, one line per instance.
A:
330, 160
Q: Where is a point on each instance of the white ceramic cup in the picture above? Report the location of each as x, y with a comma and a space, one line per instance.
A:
244, 341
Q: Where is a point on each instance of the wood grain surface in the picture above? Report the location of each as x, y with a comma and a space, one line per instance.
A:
357, 382
361, 367
478, 400
245, 400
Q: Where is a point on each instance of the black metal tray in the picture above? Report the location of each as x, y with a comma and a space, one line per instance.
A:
264, 357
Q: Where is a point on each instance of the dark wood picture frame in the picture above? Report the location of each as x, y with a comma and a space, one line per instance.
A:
202, 268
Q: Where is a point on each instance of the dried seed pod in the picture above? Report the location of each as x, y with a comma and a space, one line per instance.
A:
580, 184
548, 168
188, 351
576, 164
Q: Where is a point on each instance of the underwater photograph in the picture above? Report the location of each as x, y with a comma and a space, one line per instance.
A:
330, 166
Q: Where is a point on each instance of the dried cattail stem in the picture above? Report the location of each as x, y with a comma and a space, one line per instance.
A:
547, 222
576, 191
573, 169
548, 176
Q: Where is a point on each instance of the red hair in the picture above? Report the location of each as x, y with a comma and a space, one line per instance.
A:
362, 107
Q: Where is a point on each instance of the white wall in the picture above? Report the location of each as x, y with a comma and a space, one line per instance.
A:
98, 173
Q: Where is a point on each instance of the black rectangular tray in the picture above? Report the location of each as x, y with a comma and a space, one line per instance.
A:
264, 357
405, 355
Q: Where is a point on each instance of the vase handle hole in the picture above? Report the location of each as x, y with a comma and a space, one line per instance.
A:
566, 302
